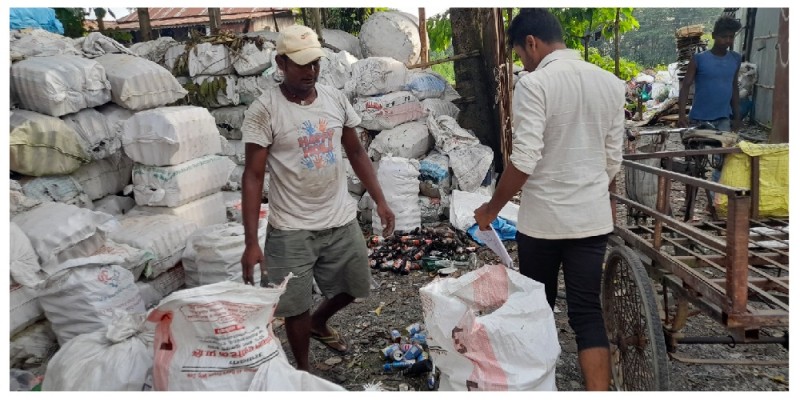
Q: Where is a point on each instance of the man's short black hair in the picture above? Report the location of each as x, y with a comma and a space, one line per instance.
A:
537, 22
726, 24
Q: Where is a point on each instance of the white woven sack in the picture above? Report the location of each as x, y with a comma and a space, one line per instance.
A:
140, 84
409, 140
470, 164
115, 358
229, 121
388, 111
33, 345
170, 135
154, 290
250, 60
96, 135
25, 268
448, 135
235, 150
104, 177
210, 59
172, 55
116, 117
82, 297
25, 308
177, 185
343, 41
335, 69
425, 84
75, 84
214, 337
400, 184
130, 258
60, 232
154, 50
162, 235
214, 253
209, 210
114, 205
493, 329
43, 145
62, 189
390, 34
278, 375
35, 42
439, 107
249, 88
378, 75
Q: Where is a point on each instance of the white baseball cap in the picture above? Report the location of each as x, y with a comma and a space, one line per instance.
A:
300, 43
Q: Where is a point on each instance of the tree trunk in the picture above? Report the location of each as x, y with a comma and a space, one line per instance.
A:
780, 95
303, 14
144, 23
316, 19
474, 76
616, 45
214, 20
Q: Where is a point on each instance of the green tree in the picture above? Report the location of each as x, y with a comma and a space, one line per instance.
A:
72, 20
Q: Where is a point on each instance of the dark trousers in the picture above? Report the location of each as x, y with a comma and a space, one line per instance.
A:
582, 259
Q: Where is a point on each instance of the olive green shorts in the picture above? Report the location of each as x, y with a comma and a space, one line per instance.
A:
336, 258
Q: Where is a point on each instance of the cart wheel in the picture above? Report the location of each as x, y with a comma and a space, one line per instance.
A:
638, 351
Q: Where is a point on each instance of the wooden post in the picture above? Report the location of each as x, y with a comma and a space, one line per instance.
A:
616, 45
144, 23
780, 95
423, 36
736, 238
215, 20
275, 21
305, 17
317, 21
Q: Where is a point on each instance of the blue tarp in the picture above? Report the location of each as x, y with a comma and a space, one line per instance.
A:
505, 230
43, 18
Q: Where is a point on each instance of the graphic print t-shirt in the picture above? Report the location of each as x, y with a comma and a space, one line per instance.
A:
308, 183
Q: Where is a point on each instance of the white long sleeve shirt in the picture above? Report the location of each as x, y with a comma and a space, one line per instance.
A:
568, 118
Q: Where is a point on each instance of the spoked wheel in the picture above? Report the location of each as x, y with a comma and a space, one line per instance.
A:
638, 351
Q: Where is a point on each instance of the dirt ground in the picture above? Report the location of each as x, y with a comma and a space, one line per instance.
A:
368, 332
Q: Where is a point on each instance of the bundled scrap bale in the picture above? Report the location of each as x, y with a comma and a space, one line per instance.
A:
211, 91
61, 232
140, 84
249, 88
28, 43
391, 34
115, 117
154, 50
434, 175
154, 290
335, 69
252, 58
213, 254
400, 183
343, 41
170, 135
105, 177
425, 85
96, 135
229, 121
175, 60
25, 275
388, 111
114, 205
409, 140
18, 202
116, 357
95, 44
62, 189
205, 211
32, 346
176, 185
234, 149
43, 145
132, 259
378, 75
76, 84
210, 59
469, 160
164, 236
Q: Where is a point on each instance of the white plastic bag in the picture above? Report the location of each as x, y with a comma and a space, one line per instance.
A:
176, 185
278, 375
214, 337
162, 235
140, 84
378, 75
493, 330
399, 179
409, 140
213, 254
388, 111
119, 357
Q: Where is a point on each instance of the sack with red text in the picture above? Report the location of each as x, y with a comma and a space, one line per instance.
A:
491, 329
214, 337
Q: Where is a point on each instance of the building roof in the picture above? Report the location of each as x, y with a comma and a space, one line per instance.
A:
91, 25
179, 17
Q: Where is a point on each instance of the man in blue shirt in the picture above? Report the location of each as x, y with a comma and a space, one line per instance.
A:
715, 76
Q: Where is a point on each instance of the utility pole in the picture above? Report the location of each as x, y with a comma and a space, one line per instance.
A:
144, 23
423, 36
215, 20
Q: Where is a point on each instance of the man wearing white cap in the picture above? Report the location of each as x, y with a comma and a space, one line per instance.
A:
298, 129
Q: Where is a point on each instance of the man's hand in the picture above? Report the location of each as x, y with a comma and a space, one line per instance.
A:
683, 121
387, 219
252, 256
484, 216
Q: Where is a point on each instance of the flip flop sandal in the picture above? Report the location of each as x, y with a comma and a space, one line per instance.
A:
331, 340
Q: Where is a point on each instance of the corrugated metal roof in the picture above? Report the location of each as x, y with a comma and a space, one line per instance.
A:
176, 17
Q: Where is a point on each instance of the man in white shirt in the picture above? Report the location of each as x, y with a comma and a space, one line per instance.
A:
568, 118
299, 130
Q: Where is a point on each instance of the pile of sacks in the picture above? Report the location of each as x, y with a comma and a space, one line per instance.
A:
115, 199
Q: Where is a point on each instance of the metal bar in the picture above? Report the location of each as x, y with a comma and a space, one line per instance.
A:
780, 222
736, 240
756, 254
702, 237
754, 185
762, 283
761, 319
681, 153
720, 361
775, 259
661, 205
688, 180
473, 53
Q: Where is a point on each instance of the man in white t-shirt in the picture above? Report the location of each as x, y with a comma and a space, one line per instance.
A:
299, 129
568, 118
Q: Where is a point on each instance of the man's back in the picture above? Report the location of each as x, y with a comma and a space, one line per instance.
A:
566, 195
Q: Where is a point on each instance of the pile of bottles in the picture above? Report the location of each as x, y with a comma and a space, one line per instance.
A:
423, 248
